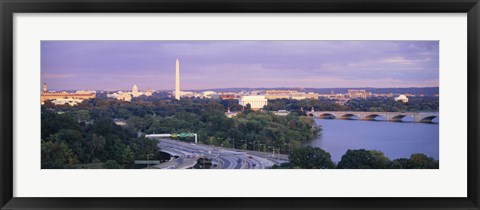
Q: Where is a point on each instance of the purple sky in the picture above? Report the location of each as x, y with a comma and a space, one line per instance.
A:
108, 65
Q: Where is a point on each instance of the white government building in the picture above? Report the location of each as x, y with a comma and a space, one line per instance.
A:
256, 102
127, 96
401, 98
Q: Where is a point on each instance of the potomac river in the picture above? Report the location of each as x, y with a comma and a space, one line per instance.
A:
394, 139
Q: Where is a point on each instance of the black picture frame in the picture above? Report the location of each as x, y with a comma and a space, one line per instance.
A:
10, 7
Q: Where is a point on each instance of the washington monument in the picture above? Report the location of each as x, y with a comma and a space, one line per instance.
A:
177, 81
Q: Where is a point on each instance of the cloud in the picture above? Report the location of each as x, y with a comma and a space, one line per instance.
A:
57, 76
399, 60
403, 61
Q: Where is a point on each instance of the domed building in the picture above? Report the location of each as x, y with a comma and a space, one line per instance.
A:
401, 98
127, 96
135, 92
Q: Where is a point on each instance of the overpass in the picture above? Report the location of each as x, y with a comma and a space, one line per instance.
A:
167, 135
418, 117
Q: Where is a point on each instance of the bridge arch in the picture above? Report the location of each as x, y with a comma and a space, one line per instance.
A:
373, 117
428, 119
398, 118
326, 116
349, 116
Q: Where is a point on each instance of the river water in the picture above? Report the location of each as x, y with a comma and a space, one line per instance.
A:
394, 139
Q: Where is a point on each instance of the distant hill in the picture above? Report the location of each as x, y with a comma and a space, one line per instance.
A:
428, 91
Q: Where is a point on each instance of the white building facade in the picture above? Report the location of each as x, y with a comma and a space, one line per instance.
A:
256, 102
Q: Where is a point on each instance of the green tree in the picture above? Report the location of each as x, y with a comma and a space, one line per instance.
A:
128, 157
57, 155
422, 161
247, 109
136, 123
82, 115
310, 158
418, 161
95, 143
53, 122
364, 159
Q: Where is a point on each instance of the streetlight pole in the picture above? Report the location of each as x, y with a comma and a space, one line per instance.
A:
148, 160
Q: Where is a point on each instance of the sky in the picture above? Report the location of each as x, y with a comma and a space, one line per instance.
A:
118, 65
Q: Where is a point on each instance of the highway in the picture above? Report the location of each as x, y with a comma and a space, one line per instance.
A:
185, 156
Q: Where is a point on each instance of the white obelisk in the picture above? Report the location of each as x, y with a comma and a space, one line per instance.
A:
177, 81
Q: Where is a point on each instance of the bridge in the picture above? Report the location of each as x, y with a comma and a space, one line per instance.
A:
419, 117
174, 135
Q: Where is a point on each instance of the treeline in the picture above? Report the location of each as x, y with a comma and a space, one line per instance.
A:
414, 104
376, 104
316, 158
69, 141
301, 106
143, 106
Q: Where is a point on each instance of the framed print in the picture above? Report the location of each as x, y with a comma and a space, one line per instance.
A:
239, 105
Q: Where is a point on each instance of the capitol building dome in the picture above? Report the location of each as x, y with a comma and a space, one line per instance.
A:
135, 88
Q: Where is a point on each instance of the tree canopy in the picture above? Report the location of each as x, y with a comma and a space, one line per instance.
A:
364, 159
373, 159
310, 158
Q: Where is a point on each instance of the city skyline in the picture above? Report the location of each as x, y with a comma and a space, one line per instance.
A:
110, 65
